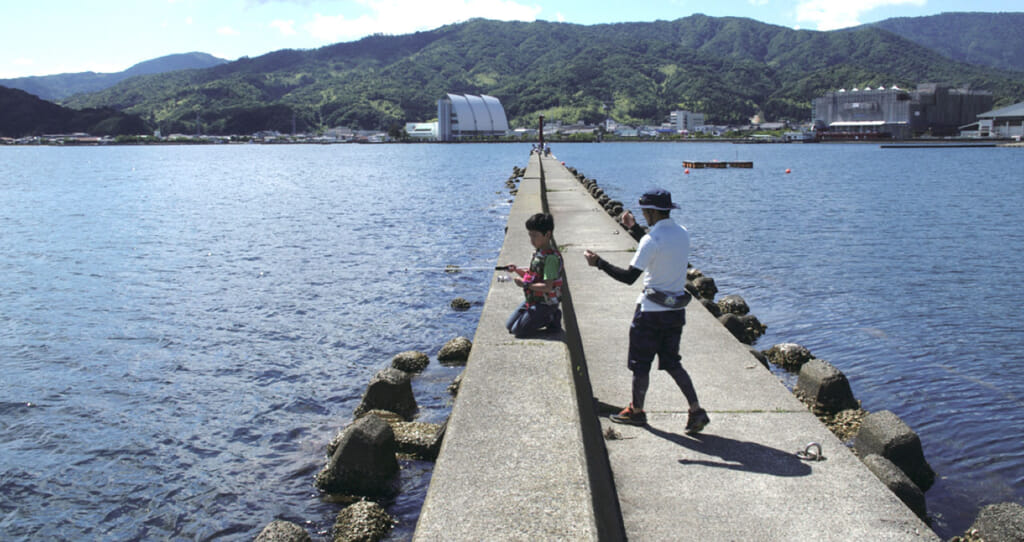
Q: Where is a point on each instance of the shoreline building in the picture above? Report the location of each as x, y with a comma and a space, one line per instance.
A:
465, 116
687, 121
896, 113
1004, 123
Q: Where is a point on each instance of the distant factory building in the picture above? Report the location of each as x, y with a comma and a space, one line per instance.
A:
687, 121
932, 109
464, 116
1004, 123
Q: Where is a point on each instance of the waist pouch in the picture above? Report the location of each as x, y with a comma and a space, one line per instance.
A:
667, 300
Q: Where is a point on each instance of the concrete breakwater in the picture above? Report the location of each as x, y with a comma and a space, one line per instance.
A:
529, 454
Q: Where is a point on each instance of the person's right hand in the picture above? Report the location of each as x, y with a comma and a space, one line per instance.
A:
591, 257
628, 220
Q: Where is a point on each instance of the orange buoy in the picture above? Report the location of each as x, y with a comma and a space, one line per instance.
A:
686, 171
788, 170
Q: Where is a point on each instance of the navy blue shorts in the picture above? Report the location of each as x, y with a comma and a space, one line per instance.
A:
655, 333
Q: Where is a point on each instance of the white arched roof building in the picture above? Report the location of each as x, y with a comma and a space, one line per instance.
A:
467, 115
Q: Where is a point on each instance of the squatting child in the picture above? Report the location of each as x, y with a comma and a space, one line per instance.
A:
541, 282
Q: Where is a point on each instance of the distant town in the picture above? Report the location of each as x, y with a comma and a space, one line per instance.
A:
931, 111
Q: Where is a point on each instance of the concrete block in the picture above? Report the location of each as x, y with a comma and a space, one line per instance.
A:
410, 361
1003, 522
898, 482
363, 462
283, 531
390, 389
885, 434
360, 522
824, 388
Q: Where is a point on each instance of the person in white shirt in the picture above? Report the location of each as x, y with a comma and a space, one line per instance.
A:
660, 311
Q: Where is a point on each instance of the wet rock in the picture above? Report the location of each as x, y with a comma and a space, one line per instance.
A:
453, 388
790, 356
711, 306
1003, 522
705, 287
455, 350
461, 304
603, 199
363, 462
390, 417
390, 389
885, 434
692, 273
746, 328
419, 439
898, 483
754, 327
410, 361
763, 359
364, 521
824, 388
283, 531
733, 304
386, 415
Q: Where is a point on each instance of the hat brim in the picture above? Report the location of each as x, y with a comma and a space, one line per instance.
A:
658, 207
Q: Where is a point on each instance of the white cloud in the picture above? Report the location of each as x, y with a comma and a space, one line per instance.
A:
405, 16
227, 31
834, 14
287, 28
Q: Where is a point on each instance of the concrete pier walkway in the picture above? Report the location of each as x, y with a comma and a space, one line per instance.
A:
524, 457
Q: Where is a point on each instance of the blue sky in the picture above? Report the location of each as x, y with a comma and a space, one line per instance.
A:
66, 36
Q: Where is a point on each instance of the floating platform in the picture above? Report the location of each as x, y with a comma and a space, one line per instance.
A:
716, 165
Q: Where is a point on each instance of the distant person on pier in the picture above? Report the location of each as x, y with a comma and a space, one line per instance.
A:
661, 308
541, 282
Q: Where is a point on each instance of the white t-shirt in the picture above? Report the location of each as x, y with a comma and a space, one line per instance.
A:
662, 255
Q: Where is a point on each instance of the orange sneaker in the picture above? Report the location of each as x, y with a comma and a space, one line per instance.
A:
630, 416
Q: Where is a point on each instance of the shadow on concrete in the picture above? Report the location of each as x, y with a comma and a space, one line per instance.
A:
737, 454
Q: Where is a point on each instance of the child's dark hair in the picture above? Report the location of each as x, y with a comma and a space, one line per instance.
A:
541, 222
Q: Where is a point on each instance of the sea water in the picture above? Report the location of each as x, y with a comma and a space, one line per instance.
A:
183, 329
899, 266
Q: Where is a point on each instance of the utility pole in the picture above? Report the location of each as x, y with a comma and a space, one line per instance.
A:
540, 133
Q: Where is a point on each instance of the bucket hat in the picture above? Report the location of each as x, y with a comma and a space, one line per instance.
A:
658, 199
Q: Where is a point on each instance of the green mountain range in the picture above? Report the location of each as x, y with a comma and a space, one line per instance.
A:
729, 68
60, 86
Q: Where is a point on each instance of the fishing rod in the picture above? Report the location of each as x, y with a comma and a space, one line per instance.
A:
457, 268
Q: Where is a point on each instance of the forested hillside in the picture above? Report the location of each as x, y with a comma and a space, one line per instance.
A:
23, 114
729, 68
985, 39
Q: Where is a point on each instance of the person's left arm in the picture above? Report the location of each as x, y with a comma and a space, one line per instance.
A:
626, 276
